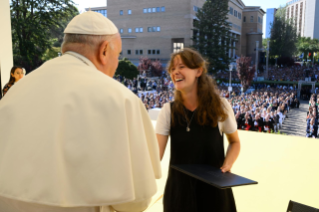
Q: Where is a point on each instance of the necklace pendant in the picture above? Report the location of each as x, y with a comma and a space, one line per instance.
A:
188, 129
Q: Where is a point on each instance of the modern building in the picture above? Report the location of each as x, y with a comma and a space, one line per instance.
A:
270, 18
312, 19
155, 29
296, 10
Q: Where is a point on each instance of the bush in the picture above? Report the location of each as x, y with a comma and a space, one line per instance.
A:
126, 69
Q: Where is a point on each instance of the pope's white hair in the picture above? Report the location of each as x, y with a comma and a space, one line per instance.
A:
92, 40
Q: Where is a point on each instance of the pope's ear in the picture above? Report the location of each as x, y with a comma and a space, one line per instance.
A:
103, 51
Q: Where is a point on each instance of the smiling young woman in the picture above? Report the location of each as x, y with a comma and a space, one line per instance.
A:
16, 74
195, 122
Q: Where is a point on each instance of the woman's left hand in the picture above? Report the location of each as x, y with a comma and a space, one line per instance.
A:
226, 168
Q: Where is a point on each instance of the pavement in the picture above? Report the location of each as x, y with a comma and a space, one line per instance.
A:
296, 124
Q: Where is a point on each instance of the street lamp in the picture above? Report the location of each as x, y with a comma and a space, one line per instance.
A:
231, 66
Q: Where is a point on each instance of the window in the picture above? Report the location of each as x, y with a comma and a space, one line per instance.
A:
163, 9
154, 10
137, 30
129, 12
103, 12
231, 10
195, 8
244, 18
121, 12
149, 10
149, 29
128, 51
178, 47
158, 29
129, 30
154, 51
149, 51
158, 9
153, 29
141, 52
251, 18
239, 15
141, 29
136, 52
158, 51
121, 31
235, 13
145, 10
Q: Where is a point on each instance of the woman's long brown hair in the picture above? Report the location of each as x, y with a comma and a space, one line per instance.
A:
12, 79
210, 108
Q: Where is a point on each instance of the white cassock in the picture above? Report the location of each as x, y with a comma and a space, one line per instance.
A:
74, 139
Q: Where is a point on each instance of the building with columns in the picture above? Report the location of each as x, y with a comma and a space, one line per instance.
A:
296, 10
155, 29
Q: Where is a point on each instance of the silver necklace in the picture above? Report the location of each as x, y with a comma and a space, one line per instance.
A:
188, 123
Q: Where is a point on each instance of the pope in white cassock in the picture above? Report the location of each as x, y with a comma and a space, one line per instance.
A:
73, 139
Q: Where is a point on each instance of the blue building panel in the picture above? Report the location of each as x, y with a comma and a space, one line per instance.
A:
270, 18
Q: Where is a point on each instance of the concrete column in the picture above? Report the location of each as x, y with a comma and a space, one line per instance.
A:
234, 50
6, 56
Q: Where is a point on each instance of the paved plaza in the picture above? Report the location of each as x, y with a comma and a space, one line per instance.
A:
296, 123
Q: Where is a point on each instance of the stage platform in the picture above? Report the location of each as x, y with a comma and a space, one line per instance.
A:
286, 168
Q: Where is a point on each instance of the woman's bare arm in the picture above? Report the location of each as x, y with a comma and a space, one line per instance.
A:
162, 142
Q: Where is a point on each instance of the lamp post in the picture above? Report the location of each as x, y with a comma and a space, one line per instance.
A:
230, 70
256, 63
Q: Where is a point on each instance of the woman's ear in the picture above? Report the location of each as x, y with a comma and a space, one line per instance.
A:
199, 72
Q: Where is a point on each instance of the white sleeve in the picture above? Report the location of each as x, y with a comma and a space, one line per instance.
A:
163, 124
228, 126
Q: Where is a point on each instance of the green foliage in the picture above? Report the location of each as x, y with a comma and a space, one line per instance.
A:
264, 42
307, 45
126, 69
35, 24
211, 34
283, 35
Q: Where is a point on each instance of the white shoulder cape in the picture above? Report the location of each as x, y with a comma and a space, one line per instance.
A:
71, 136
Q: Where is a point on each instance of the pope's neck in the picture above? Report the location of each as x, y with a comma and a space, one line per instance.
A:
190, 100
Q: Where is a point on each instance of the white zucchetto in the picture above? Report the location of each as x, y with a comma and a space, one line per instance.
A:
91, 23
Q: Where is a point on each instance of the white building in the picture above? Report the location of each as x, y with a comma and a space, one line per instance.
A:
296, 10
312, 19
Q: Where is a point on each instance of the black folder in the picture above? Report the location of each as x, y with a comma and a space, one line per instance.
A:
213, 176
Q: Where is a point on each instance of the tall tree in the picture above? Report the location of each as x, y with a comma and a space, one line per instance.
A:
32, 22
283, 35
211, 34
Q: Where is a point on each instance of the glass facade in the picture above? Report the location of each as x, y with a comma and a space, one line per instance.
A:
270, 17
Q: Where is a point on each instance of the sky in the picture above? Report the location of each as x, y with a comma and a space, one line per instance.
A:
81, 4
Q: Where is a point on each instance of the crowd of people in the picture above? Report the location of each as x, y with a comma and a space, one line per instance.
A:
312, 117
264, 110
290, 74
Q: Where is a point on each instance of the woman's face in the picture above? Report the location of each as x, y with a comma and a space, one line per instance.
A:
18, 74
184, 78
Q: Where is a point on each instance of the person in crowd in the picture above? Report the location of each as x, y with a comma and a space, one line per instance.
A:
197, 112
85, 146
312, 129
16, 74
